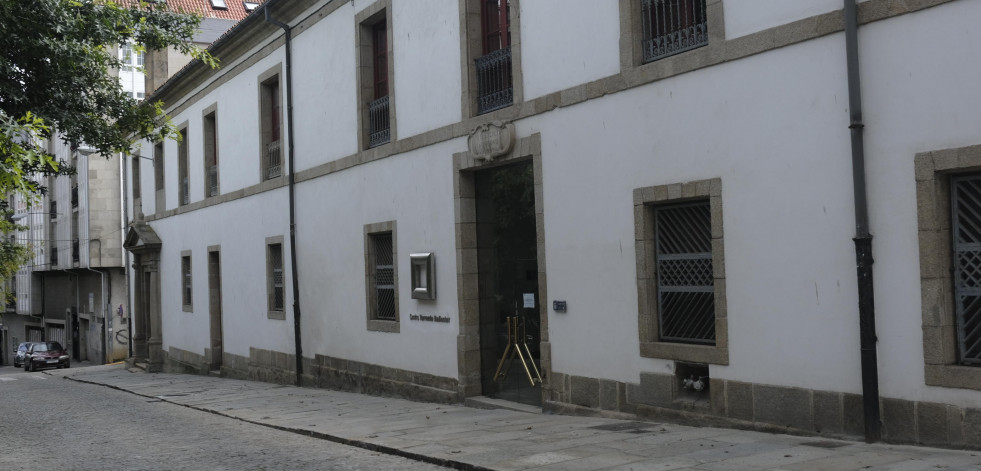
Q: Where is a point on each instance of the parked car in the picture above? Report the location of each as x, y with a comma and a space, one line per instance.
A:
19, 353
45, 355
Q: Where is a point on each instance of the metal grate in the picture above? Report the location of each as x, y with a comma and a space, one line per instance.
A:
384, 276
378, 122
276, 255
274, 164
672, 27
186, 280
685, 292
494, 84
966, 229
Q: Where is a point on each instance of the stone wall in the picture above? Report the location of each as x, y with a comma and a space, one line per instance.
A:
323, 372
766, 408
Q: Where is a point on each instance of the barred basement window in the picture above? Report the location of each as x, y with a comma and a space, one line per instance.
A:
186, 281
275, 274
966, 234
381, 277
681, 276
384, 278
686, 303
672, 26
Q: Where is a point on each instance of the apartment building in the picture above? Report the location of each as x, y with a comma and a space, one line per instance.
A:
647, 207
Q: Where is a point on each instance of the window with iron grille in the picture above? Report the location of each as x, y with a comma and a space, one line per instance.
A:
378, 107
381, 277
681, 272
210, 132
683, 255
373, 46
270, 100
186, 282
495, 88
948, 205
966, 234
672, 26
274, 276
184, 192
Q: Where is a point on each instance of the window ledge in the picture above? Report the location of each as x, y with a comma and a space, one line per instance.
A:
375, 325
711, 354
276, 315
954, 376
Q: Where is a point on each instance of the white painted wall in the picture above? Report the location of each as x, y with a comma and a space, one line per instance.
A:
325, 81
416, 191
917, 97
567, 42
427, 88
744, 17
772, 126
240, 228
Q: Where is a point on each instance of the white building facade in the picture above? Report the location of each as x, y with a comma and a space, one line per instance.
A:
658, 215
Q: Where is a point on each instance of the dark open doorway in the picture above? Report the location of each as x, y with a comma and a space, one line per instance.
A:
507, 258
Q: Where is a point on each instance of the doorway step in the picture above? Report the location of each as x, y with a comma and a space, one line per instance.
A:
484, 402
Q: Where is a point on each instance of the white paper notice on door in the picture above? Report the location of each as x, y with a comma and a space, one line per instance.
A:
529, 300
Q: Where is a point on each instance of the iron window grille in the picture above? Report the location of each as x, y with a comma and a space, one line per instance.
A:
685, 288
75, 196
186, 280
378, 122
276, 271
384, 276
495, 89
274, 164
54, 255
75, 253
672, 26
53, 209
966, 233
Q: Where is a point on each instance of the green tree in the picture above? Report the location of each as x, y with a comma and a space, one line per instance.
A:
56, 58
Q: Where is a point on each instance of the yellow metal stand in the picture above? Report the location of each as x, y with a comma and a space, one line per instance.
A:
517, 346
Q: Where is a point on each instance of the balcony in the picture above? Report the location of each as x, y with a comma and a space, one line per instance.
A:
672, 27
495, 88
213, 180
185, 191
274, 160
378, 124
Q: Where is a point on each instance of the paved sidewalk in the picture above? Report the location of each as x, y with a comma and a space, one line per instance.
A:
467, 438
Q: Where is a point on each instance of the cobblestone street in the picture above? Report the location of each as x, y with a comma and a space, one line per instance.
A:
50, 423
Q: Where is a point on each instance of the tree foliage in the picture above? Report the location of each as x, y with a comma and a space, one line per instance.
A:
56, 80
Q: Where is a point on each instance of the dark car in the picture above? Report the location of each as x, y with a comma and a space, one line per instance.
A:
19, 354
45, 355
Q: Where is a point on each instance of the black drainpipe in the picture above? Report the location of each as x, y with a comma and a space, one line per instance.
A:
863, 240
289, 139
